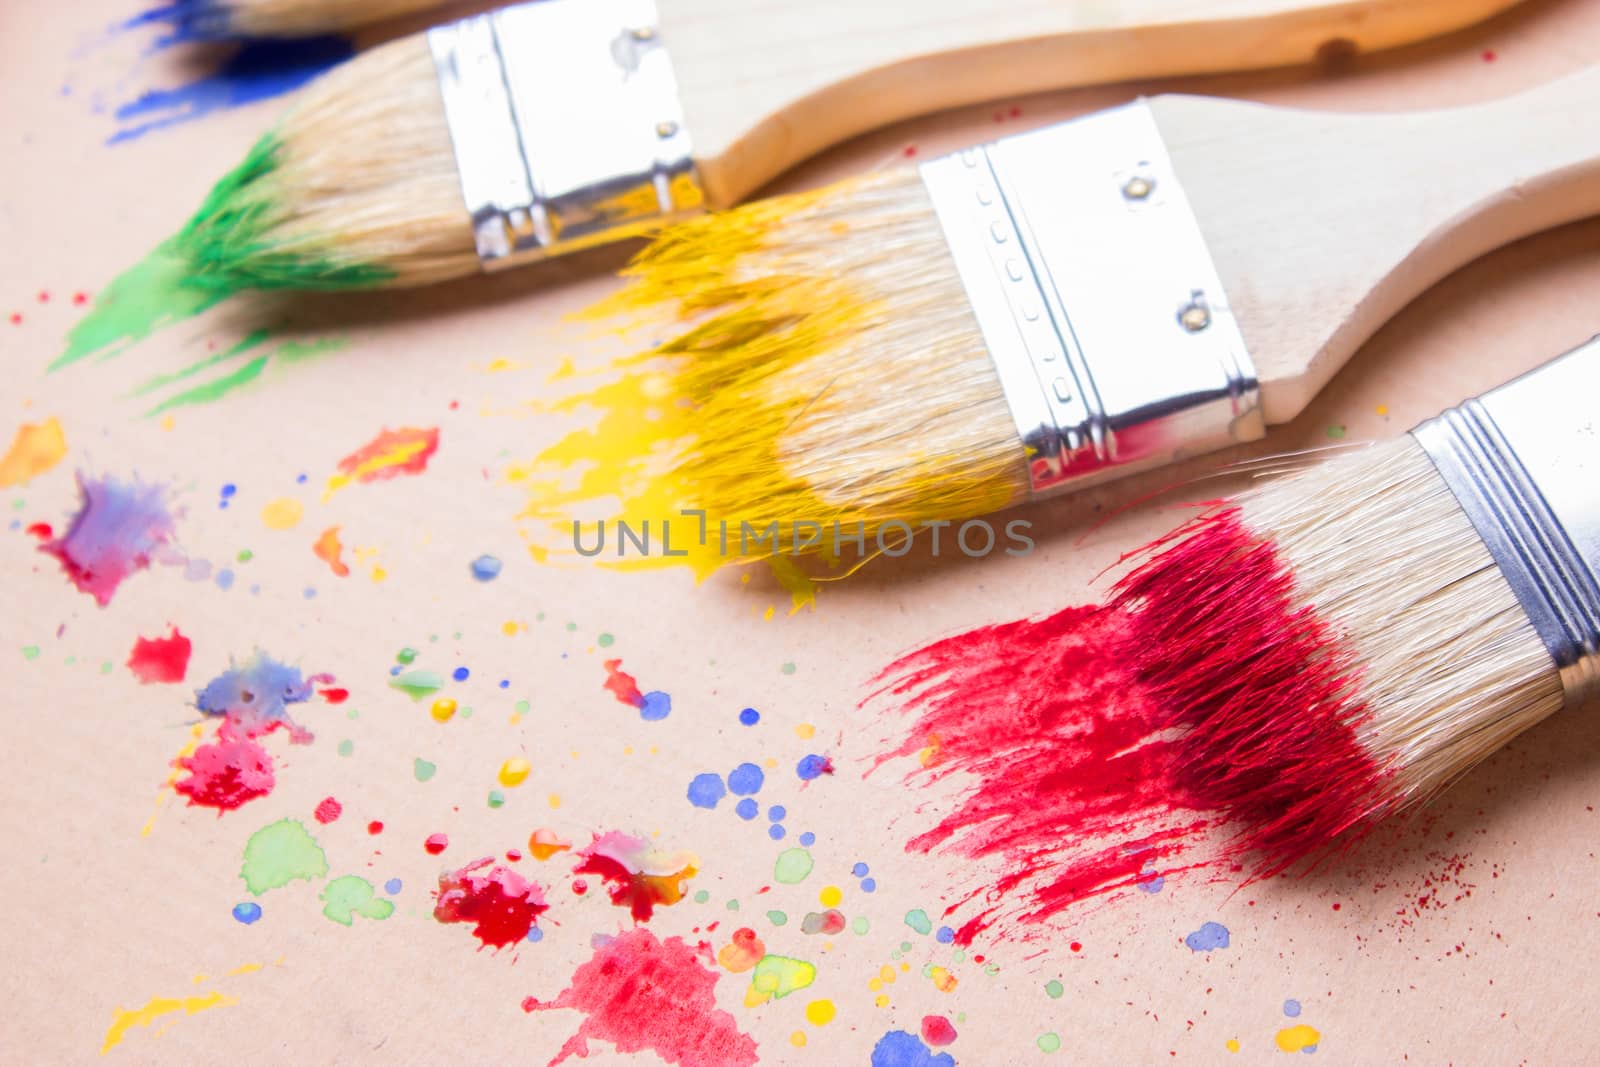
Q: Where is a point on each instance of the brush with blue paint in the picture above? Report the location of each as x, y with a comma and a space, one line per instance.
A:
547, 127
212, 20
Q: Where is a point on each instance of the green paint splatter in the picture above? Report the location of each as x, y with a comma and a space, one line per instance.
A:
496, 798
778, 976
778, 918
1336, 432
733, 905
345, 898
407, 656
787, 668
1054, 989
418, 684
702, 895
793, 865
918, 920
1049, 1042
422, 769
465, 713
245, 555
605, 640
346, 747
106, 667
151, 294
572, 627
217, 388
30, 652
522, 707
353, 713
860, 924
279, 853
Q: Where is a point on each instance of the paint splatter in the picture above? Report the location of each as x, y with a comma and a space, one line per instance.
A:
640, 876
1208, 938
653, 706
897, 1048
544, 843
282, 513
486, 568
501, 904
328, 810
434, 844
743, 952
812, 767
255, 695
706, 790
792, 866
329, 549
125, 1019
1297, 1038
226, 773
419, 684
37, 447
828, 922
247, 912
640, 994
389, 455
350, 895
160, 659
120, 528
142, 299
279, 853
778, 976
937, 1030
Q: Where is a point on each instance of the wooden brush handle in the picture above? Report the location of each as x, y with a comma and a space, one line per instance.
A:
1324, 226
767, 83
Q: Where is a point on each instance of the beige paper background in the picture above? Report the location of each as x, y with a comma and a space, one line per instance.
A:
97, 917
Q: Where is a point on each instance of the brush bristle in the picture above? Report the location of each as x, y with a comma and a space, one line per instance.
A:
216, 19
355, 187
1339, 645
822, 365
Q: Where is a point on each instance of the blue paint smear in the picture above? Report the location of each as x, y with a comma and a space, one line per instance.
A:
1150, 880
1291, 1008
745, 780
1209, 936
706, 790
898, 1048
812, 766
257, 692
191, 20
255, 71
655, 706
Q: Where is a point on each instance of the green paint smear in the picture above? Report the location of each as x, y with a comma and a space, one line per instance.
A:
496, 798
1049, 1042
1054, 989
793, 865
778, 976
787, 668
346, 747
217, 388
345, 898
407, 655
153, 293
605, 640
422, 769
30, 652
918, 920
418, 684
279, 853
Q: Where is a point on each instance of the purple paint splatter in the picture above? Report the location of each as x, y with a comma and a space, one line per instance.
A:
119, 529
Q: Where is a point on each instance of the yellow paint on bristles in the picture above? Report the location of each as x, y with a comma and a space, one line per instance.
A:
817, 363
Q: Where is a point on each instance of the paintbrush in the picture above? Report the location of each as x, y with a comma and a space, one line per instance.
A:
1344, 642
548, 127
925, 346
209, 20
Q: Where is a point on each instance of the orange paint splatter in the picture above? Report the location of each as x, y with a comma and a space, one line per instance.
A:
743, 952
544, 843
389, 455
329, 549
36, 448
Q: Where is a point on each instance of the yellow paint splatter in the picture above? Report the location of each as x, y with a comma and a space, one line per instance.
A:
820, 1012
881, 1000
929, 755
36, 448
886, 973
1383, 409
196, 734
943, 980
168, 422
554, 800
379, 574
1297, 1037
509, 628
805, 731
514, 771
126, 1019
798, 1039
283, 513
830, 896
443, 710
1232, 1045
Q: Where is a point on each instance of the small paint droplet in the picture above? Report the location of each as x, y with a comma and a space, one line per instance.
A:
328, 810
406, 656
247, 913
1050, 1042
436, 843
798, 1039
813, 766
486, 568
655, 706
1336, 432
422, 769
777, 918
1298, 1038
443, 710
745, 780
820, 1012
1076, 946
869, 885
514, 771
749, 716
776, 813
392, 886
605, 640
284, 513
496, 798
944, 935
860, 925
375, 827
535, 935
808, 839
1291, 1008
918, 920
793, 866
747, 809
346, 747
1231, 1045
706, 790
461, 674
579, 887
1209, 937
787, 668
830, 896
937, 1030
777, 832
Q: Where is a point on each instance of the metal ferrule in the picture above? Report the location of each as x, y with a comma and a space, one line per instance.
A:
1097, 299
566, 125
1524, 462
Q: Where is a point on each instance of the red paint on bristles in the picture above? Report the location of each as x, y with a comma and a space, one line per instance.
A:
1266, 693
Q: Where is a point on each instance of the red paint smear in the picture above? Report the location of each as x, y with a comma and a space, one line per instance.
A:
328, 810
376, 460
436, 843
41, 530
1262, 687
937, 1031
335, 696
502, 905
160, 659
1071, 789
622, 685
629, 888
641, 994
227, 773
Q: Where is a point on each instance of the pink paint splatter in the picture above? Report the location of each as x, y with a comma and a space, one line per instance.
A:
436, 843
328, 810
639, 877
501, 904
120, 528
937, 1030
640, 994
622, 685
160, 659
226, 773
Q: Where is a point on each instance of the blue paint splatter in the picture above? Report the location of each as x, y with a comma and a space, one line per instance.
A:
486, 568
1291, 1008
813, 766
776, 831
860, 870
869, 885
255, 71
392, 886
258, 692
655, 706
120, 529
1150, 880
897, 1048
248, 912
944, 935
224, 579
776, 813
745, 780
749, 716
747, 809
808, 839
1210, 936
706, 790
535, 935
461, 674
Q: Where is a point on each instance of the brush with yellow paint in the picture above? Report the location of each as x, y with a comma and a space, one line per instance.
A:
547, 127
1049, 311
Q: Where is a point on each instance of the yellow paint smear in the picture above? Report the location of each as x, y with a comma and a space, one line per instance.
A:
36, 448
1295, 1038
156, 1007
196, 733
283, 513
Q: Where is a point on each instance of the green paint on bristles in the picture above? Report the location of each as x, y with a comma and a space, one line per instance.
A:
228, 243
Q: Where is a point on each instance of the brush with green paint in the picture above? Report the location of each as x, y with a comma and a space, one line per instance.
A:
551, 126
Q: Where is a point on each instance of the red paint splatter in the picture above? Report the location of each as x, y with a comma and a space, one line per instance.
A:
334, 696
80, 298
828, 922
44, 296
1076, 946
226, 773
389, 455
622, 685
909, 151
330, 550
436, 843
743, 952
160, 659
16, 318
502, 905
1489, 55
41, 530
937, 1030
640, 994
328, 810
375, 827
513, 855
579, 887
640, 877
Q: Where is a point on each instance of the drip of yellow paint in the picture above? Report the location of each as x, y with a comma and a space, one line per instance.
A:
36, 448
196, 733
443, 710
1294, 1038
156, 1007
284, 513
